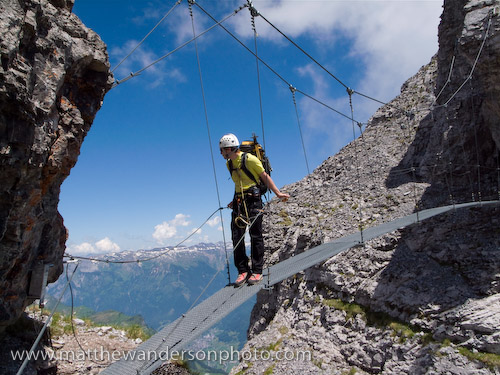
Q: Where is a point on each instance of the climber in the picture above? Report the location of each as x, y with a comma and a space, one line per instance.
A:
247, 208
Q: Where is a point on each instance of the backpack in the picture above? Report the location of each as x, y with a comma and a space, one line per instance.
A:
254, 148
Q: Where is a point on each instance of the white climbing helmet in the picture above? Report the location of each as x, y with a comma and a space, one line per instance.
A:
229, 140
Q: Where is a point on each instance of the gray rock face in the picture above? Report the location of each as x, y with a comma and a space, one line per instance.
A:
463, 128
54, 73
423, 300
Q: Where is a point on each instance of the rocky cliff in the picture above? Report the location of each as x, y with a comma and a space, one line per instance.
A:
54, 74
421, 300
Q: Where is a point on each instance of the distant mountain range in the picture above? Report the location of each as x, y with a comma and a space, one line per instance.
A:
159, 290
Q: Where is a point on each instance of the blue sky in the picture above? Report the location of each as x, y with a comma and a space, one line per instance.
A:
144, 178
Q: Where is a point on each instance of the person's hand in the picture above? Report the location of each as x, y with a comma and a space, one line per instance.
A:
283, 196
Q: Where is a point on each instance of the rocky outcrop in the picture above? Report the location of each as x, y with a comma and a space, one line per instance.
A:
54, 73
459, 141
74, 347
423, 300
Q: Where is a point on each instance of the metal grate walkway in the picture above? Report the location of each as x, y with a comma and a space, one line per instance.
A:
152, 353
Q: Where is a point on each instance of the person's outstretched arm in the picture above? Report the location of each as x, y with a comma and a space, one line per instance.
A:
264, 177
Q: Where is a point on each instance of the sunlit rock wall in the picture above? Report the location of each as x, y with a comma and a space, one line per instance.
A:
54, 73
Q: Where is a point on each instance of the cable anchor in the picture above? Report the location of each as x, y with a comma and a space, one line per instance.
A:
349, 91
254, 12
410, 115
190, 6
293, 90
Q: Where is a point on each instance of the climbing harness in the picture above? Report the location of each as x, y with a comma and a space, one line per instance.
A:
242, 219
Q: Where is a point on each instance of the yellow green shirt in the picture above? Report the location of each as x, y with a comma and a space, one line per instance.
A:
240, 178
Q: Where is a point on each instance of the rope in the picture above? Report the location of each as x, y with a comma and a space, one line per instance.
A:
37, 341
249, 226
148, 34
209, 137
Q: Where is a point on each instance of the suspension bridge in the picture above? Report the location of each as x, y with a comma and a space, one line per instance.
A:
175, 337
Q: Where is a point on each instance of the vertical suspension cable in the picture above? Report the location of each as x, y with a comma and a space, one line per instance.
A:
478, 166
449, 181
467, 166
293, 89
190, 2
417, 207
410, 116
350, 92
253, 14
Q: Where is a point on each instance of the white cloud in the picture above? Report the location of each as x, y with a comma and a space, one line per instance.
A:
164, 231
106, 245
100, 247
214, 221
392, 38
84, 248
181, 220
168, 229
